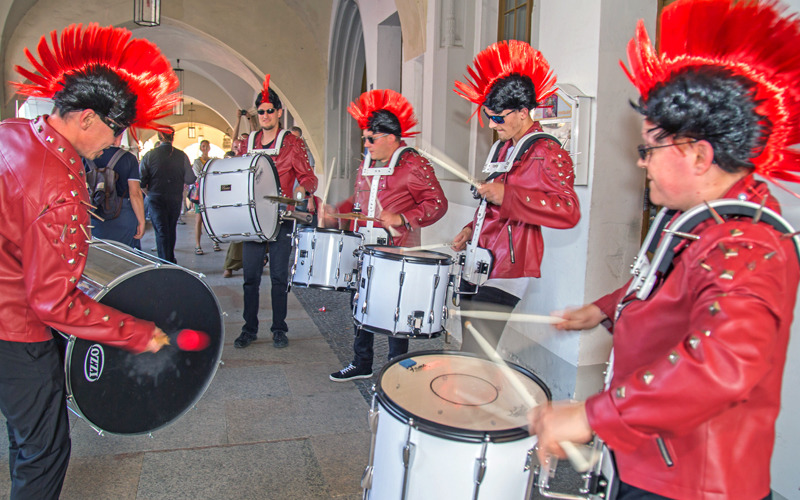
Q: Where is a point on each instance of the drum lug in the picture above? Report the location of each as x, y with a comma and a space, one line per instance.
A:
408, 456
480, 466
366, 480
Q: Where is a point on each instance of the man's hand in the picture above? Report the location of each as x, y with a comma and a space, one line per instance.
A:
557, 422
389, 219
461, 239
158, 341
582, 318
493, 192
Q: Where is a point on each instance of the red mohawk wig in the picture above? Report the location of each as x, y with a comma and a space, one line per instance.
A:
265, 90
500, 60
748, 38
389, 100
139, 63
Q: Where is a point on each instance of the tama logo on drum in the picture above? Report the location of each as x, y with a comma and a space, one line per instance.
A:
93, 364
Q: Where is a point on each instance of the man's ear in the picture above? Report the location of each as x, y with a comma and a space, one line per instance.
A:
704, 156
86, 117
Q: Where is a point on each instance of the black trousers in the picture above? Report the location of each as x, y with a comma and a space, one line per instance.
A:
33, 401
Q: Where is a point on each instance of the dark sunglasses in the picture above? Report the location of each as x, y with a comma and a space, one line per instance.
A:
644, 151
115, 127
371, 139
498, 119
267, 111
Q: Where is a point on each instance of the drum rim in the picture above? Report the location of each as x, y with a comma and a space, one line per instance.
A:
328, 230
156, 264
397, 335
445, 431
438, 257
322, 287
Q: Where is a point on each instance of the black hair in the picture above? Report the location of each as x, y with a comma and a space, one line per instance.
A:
384, 122
273, 99
711, 104
99, 89
165, 136
514, 92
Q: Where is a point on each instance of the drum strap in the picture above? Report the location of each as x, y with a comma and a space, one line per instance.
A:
271, 151
376, 174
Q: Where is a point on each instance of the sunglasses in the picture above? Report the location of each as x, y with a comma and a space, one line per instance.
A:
267, 111
644, 151
371, 139
498, 119
115, 126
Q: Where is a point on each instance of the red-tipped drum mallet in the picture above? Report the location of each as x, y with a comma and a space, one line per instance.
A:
192, 340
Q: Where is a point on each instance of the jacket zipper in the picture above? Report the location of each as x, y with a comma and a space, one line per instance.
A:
510, 245
662, 447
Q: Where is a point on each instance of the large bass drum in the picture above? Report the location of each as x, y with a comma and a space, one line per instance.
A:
451, 425
236, 199
117, 391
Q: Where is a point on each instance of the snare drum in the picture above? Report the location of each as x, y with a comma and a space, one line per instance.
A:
233, 201
402, 293
325, 258
117, 391
450, 425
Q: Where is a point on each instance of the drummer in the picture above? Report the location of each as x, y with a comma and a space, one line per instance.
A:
291, 161
537, 190
44, 236
690, 411
397, 186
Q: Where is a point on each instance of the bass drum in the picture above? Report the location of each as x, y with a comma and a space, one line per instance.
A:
451, 425
234, 201
117, 391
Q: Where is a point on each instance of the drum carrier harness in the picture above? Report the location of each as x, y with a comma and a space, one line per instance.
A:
372, 234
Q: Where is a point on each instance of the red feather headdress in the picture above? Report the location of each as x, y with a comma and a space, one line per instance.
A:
750, 39
500, 60
265, 90
391, 101
139, 63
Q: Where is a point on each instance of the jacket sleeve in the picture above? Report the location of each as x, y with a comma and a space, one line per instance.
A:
542, 193
299, 163
739, 286
54, 257
424, 187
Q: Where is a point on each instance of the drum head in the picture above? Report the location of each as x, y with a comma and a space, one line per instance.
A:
124, 393
400, 253
459, 396
266, 183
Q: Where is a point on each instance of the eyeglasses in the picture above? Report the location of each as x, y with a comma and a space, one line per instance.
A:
371, 139
498, 119
267, 111
644, 151
115, 126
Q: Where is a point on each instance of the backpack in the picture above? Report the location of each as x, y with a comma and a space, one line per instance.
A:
102, 186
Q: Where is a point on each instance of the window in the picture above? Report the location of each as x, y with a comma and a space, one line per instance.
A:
515, 20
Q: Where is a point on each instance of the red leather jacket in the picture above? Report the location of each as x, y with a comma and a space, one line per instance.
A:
292, 165
691, 409
412, 190
43, 244
538, 192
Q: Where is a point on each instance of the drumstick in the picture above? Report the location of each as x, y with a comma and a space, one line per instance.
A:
500, 316
450, 166
428, 247
392, 231
321, 218
579, 462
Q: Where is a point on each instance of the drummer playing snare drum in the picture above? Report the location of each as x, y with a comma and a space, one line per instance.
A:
45, 239
398, 187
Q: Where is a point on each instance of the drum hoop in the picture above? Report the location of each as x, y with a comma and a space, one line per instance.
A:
328, 230
73, 401
436, 258
446, 431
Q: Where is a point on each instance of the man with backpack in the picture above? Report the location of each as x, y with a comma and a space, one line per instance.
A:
113, 182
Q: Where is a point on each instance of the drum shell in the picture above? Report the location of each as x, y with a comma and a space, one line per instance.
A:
139, 393
443, 459
232, 199
325, 258
425, 277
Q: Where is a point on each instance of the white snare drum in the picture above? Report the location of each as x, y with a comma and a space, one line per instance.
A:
402, 292
232, 199
117, 391
325, 258
452, 426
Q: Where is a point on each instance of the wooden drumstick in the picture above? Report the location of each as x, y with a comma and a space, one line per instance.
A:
500, 316
428, 247
321, 210
459, 172
392, 231
578, 460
